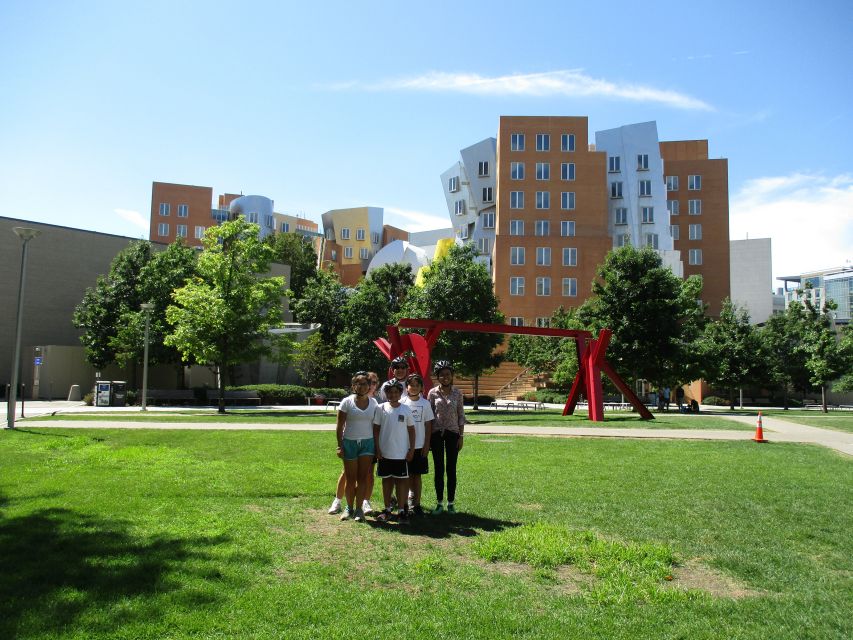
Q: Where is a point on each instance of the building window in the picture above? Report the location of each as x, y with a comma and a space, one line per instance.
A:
285, 227
516, 199
459, 207
694, 207
516, 142
199, 232
487, 194
363, 253
181, 231
694, 231
675, 231
567, 200
543, 322
543, 228
164, 208
483, 246
463, 232
375, 237
453, 184
694, 183
643, 162
183, 210
516, 286
648, 215
345, 233
645, 187
652, 240
516, 171
672, 183
621, 215
694, 256
570, 287
543, 200
516, 256
360, 234
543, 170
567, 228
163, 229
567, 171
543, 256
672, 207
253, 217
615, 189
570, 257
623, 239
516, 321
567, 142
269, 222
543, 142
347, 252
614, 164
330, 235
488, 221
516, 227
483, 168
543, 286
334, 255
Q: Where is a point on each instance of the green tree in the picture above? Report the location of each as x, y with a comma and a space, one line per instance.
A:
295, 250
99, 313
825, 355
545, 355
458, 287
845, 382
322, 300
731, 350
782, 337
655, 316
222, 317
313, 359
374, 304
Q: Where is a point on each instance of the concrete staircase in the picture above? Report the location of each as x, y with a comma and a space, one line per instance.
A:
508, 382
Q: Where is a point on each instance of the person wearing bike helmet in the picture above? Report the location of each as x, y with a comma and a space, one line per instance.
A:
448, 430
400, 367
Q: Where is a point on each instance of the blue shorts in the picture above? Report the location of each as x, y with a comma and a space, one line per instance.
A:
354, 449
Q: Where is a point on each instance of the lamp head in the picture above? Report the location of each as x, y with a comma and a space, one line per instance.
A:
147, 306
26, 233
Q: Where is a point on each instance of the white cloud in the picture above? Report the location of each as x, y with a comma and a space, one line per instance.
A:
808, 217
566, 82
133, 217
415, 220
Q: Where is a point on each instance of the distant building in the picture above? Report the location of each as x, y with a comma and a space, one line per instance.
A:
826, 284
752, 277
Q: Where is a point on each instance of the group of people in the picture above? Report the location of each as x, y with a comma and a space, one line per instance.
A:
393, 428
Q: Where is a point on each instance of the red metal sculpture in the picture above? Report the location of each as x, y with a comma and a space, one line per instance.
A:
591, 360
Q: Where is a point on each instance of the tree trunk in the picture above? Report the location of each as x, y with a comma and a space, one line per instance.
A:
785, 396
476, 390
823, 397
731, 399
221, 381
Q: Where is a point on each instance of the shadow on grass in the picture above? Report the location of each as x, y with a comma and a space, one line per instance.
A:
57, 565
446, 525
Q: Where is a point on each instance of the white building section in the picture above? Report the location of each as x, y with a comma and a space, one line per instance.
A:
402, 252
255, 209
751, 277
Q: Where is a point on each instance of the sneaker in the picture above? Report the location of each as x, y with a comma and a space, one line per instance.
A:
384, 516
359, 515
365, 506
451, 508
347, 514
393, 505
439, 509
411, 500
336, 507
403, 517
418, 510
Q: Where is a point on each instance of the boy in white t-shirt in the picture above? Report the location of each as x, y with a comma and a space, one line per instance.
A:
423, 417
394, 435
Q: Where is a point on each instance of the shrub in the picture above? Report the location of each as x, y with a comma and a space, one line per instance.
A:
131, 397
89, 399
716, 401
551, 396
288, 394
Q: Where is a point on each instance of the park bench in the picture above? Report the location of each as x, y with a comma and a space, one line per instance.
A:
333, 403
517, 405
169, 396
234, 397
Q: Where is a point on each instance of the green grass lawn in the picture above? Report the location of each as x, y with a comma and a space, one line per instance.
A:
544, 418
837, 420
217, 534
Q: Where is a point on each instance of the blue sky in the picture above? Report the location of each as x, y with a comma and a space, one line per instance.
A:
356, 104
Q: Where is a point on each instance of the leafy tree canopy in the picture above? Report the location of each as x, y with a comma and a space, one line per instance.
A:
322, 300
297, 251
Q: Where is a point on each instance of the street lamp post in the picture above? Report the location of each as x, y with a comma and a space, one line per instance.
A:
25, 234
146, 308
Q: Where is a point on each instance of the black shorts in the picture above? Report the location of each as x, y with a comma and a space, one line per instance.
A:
419, 464
392, 468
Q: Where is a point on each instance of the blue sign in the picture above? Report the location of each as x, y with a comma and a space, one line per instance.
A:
38, 360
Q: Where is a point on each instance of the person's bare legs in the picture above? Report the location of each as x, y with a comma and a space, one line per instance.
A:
342, 483
365, 465
416, 486
351, 471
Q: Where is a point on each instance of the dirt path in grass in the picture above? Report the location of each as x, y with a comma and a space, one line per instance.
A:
775, 430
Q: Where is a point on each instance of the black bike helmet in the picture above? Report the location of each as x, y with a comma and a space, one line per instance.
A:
399, 361
440, 365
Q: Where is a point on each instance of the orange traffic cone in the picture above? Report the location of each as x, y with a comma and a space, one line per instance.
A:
759, 432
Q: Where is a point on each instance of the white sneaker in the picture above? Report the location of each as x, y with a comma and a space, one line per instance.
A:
366, 508
347, 514
336, 507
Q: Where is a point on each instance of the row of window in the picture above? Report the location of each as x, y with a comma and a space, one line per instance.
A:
518, 321
543, 200
360, 235
543, 142
482, 172
180, 230
166, 209
694, 232
543, 171
694, 207
363, 253
543, 286
614, 163
542, 228
543, 256
694, 183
